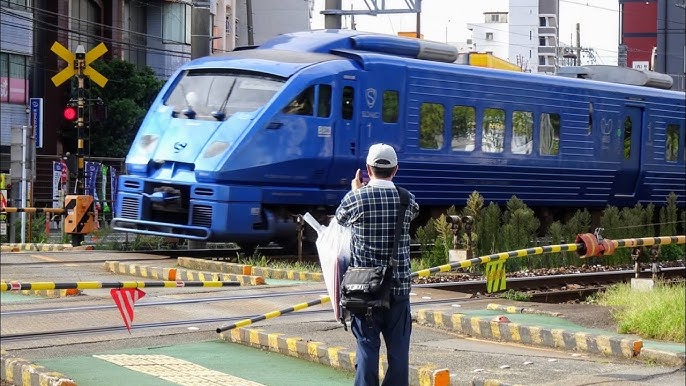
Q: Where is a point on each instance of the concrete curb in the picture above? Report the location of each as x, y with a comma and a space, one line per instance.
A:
271, 273
337, 357
531, 335
18, 247
23, 373
179, 274
663, 357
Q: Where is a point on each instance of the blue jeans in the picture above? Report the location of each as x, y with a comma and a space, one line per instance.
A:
396, 326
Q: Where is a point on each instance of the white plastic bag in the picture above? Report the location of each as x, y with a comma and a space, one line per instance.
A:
333, 247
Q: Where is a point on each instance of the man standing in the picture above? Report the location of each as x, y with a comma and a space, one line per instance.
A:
372, 209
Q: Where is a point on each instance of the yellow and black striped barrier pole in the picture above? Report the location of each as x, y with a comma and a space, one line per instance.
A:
83, 285
581, 248
274, 314
33, 210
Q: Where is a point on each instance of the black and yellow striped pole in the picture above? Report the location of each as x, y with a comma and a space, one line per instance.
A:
274, 314
581, 248
90, 285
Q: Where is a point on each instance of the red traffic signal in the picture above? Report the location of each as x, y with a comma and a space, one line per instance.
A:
70, 113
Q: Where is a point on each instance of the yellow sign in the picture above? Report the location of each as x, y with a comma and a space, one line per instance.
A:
495, 276
69, 71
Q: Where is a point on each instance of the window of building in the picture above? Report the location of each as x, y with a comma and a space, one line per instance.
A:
389, 106
431, 122
541, 60
324, 104
522, 132
4, 77
489, 35
495, 18
85, 18
542, 21
176, 22
549, 135
493, 131
463, 129
672, 143
541, 41
18, 4
348, 99
13, 79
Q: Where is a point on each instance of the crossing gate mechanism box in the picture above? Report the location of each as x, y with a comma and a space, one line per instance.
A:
80, 217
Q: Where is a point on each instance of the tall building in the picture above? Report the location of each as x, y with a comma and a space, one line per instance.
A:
16, 28
534, 34
653, 36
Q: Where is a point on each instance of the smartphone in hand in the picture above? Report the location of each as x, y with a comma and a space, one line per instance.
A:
364, 176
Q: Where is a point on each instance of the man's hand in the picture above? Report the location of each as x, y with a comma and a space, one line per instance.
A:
357, 183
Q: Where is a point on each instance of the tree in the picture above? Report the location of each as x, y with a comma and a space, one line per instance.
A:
127, 96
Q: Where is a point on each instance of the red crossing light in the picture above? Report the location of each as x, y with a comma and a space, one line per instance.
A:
69, 113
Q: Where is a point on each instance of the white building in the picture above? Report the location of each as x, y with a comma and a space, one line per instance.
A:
491, 36
534, 34
526, 35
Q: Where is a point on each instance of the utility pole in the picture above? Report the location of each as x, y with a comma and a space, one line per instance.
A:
333, 21
200, 29
577, 60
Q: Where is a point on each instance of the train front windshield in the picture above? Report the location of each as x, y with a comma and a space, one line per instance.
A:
216, 95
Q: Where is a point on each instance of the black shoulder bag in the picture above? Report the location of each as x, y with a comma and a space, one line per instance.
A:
366, 288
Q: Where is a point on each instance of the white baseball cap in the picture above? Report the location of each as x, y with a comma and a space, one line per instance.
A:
382, 156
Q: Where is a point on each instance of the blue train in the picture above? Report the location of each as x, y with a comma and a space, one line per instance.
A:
236, 145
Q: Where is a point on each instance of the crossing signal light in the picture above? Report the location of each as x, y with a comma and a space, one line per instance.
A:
70, 113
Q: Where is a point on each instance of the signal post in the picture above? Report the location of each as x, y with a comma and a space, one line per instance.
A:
80, 219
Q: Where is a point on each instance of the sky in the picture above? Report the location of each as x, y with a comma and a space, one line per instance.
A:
599, 21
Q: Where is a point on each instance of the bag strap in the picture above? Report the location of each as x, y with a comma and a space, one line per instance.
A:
404, 203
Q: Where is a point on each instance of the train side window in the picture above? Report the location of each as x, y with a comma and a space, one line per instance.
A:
627, 137
522, 132
302, 104
389, 107
590, 118
431, 122
324, 101
493, 131
549, 134
463, 128
348, 99
672, 143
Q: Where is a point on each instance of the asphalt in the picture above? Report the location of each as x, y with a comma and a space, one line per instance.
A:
447, 346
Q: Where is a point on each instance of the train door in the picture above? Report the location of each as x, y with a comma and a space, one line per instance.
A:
381, 106
347, 151
631, 126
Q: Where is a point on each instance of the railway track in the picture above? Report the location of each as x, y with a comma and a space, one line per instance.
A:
558, 288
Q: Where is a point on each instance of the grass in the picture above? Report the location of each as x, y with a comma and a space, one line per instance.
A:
656, 314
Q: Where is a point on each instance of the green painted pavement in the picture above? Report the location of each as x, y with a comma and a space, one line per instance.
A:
11, 297
252, 364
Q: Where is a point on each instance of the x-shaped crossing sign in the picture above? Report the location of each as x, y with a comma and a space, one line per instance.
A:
69, 57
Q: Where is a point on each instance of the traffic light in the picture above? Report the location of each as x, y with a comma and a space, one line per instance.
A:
70, 113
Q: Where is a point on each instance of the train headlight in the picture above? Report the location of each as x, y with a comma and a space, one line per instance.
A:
215, 148
144, 148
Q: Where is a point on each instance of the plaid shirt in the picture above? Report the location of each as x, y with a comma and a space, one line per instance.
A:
372, 212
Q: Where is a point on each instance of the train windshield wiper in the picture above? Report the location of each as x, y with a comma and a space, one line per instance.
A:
220, 114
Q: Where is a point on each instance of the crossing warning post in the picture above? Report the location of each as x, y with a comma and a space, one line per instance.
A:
78, 65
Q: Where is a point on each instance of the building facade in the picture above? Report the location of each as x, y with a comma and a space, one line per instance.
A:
653, 37
16, 62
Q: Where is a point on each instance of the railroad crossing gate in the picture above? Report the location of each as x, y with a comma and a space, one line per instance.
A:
80, 217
